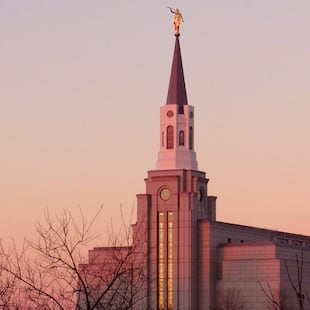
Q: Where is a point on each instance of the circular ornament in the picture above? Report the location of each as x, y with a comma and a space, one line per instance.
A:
169, 113
165, 194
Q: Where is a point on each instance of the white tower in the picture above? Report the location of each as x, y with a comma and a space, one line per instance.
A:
177, 122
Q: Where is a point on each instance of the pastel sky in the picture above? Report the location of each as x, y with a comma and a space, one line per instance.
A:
81, 83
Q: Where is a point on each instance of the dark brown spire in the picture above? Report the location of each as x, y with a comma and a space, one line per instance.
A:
177, 91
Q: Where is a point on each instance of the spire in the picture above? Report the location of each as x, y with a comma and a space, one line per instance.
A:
177, 91
177, 122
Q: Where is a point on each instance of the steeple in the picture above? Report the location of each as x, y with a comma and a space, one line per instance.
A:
177, 90
177, 122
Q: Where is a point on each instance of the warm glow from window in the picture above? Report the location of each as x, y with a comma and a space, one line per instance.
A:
165, 260
170, 260
161, 260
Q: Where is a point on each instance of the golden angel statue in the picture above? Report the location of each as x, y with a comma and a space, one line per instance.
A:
177, 20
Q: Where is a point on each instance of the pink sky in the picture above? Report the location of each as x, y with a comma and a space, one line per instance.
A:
81, 84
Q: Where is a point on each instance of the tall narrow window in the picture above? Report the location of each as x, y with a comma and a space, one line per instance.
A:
162, 139
170, 261
161, 260
170, 137
191, 138
181, 137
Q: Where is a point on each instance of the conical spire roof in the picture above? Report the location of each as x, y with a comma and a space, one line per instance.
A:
177, 90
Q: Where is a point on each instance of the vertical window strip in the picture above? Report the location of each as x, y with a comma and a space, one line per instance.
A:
170, 261
161, 260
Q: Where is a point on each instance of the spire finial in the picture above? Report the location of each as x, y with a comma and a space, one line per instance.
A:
177, 20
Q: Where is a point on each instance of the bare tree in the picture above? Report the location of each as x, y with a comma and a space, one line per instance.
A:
232, 300
51, 273
276, 301
7, 288
297, 284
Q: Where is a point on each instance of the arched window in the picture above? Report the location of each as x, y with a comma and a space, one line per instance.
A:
181, 137
169, 137
191, 138
162, 139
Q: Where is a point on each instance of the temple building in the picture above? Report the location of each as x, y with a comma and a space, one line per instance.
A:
189, 260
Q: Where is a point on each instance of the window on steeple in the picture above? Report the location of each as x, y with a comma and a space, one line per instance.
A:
181, 137
170, 137
191, 138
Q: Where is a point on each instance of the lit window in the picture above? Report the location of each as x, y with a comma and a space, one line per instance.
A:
170, 261
161, 260
165, 261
